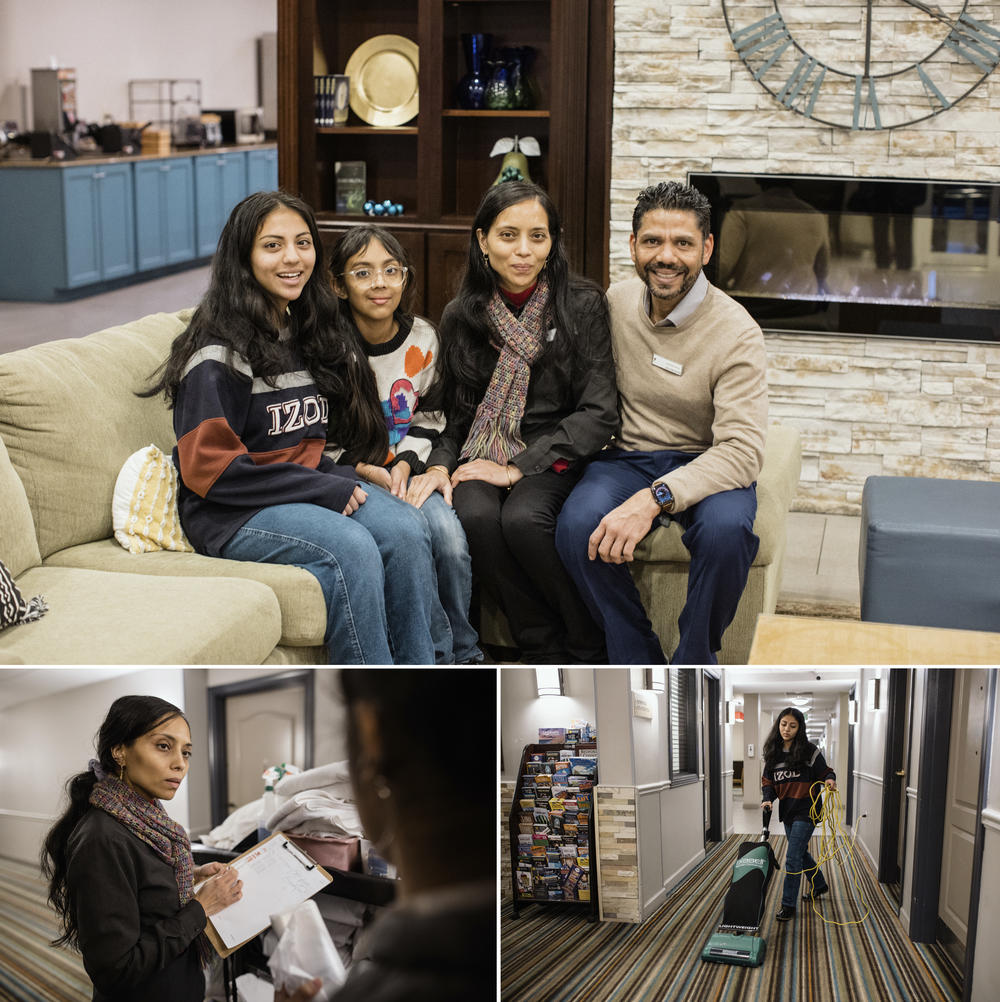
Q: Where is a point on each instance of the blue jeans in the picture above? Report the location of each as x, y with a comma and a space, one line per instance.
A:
454, 580
375, 567
797, 859
718, 533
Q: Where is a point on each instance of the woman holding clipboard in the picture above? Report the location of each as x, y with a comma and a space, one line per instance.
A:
121, 875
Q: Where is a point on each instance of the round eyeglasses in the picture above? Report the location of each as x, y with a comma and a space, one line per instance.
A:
394, 274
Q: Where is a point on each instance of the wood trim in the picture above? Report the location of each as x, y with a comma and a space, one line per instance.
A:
296, 123
600, 88
567, 159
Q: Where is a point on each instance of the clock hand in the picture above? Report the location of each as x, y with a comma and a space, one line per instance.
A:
868, 40
932, 10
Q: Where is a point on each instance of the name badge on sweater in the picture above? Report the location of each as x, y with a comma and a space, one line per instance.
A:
664, 363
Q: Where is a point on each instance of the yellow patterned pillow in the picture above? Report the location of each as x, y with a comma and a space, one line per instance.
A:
144, 507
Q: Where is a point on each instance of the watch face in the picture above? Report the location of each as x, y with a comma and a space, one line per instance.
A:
661, 492
866, 64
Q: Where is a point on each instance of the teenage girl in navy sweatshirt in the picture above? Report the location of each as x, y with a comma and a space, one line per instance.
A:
255, 382
791, 765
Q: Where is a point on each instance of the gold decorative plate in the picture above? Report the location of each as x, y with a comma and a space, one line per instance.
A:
384, 73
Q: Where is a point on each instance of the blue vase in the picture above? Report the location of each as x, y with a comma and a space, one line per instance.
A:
471, 90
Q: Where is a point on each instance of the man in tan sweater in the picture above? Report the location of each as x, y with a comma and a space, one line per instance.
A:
692, 388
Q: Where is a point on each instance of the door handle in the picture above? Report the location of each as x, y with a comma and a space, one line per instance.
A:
900, 773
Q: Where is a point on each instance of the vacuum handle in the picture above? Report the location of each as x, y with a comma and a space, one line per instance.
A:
767, 818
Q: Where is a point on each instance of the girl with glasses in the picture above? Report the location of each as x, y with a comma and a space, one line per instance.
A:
401, 393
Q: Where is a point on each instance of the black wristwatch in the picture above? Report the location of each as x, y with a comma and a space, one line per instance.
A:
662, 496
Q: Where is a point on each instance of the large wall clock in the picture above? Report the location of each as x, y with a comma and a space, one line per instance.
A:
866, 64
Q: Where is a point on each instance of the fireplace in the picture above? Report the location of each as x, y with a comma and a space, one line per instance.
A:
868, 256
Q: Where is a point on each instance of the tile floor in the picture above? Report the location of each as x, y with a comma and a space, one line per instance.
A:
822, 552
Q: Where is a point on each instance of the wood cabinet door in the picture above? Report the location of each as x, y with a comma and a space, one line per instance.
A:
447, 254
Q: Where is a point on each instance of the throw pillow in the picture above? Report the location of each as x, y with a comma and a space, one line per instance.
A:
13, 608
144, 505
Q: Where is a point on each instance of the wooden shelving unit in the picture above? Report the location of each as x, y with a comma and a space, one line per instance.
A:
438, 164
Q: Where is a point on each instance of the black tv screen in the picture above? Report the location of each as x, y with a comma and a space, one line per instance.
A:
873, 256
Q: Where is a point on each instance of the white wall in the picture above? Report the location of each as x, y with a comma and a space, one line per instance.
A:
523, 711
869, 760
45, 741
117, 40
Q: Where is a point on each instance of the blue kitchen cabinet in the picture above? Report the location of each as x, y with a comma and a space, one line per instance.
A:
262, 170
220, 181
164, 212
99, 226
65, 227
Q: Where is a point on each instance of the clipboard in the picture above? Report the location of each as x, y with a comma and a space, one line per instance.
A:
277, 875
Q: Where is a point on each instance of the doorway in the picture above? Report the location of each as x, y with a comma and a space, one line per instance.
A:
961, 811
252, 725
893, 835
711, 742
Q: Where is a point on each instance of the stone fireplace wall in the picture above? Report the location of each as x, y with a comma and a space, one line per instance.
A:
684, 102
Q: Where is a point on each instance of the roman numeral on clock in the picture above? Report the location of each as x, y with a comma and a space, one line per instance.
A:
869, 103
759, 38
808, 73
975, 41
933, 94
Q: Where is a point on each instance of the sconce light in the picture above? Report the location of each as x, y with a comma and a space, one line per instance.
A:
852, 711
656, 679
873, 694
549, 681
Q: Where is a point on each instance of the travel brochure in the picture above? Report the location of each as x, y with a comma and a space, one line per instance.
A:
555, 801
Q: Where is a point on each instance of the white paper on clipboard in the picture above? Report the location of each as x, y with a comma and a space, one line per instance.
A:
276, 876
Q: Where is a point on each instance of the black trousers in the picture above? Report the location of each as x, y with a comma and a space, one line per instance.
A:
511, 536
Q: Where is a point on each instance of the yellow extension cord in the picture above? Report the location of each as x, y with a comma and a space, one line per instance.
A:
824, 812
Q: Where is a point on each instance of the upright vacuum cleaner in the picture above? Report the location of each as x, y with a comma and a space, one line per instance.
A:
734, 942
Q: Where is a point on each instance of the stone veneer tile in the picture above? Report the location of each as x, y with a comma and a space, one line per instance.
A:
618, 853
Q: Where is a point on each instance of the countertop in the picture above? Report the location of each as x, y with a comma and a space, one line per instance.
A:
20, 157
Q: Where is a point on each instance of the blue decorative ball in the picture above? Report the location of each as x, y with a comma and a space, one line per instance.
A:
368, 206
399, 208
379, 210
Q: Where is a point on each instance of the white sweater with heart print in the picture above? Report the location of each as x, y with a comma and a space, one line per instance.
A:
404, 370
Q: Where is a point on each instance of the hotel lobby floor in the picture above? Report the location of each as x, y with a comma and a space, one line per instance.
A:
821, 560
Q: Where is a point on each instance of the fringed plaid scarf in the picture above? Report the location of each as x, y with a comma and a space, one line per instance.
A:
150, 823
496, 429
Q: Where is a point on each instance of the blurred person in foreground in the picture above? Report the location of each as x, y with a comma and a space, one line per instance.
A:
412, 735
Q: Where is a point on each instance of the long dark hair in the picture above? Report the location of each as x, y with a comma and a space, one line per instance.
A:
774, 746
466, 330
369, 407
128, 719
238, 313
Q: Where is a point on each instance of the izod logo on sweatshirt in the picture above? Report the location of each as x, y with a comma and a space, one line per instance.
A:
294, 415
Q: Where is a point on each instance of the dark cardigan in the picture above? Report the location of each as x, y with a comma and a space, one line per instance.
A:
138, 944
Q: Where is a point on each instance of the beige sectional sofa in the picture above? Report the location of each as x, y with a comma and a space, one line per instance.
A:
69, 418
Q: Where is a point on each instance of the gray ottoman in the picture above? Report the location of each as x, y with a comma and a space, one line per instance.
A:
930, 552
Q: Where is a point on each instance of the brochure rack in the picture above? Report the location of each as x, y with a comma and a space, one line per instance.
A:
552, 845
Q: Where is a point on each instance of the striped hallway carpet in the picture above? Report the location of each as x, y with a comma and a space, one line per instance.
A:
552, 955
30, 969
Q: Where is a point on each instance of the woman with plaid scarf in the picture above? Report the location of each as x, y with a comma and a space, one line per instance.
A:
530, 395
120, 871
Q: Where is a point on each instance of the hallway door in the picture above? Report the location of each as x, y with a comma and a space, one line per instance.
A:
890, 863
712, 755
262, 729
962, 807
